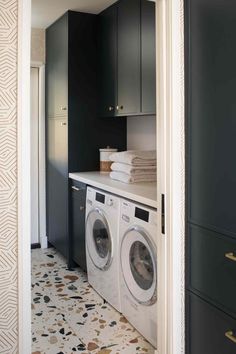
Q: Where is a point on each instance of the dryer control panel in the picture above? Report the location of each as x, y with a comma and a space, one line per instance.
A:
131, 211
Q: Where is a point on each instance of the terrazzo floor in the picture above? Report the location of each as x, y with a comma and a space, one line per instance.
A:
68, 316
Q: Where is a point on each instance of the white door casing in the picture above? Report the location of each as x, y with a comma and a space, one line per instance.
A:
170, 150
34, 129
171, 175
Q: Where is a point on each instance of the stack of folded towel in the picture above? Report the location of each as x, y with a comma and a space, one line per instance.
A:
134, 166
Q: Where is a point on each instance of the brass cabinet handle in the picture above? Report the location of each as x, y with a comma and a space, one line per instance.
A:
63, 108
75, 188
230, 335
81, 208
110, 109
63, 124
231, 256
119, 107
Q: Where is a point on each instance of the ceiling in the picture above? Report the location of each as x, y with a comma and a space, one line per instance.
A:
45, 12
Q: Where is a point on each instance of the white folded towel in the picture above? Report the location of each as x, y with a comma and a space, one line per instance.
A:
123, 177
133, 170
135, 157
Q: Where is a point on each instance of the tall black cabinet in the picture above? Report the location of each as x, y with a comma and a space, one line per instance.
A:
210, 31
74, 132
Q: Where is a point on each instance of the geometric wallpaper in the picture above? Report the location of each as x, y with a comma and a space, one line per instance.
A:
8, 178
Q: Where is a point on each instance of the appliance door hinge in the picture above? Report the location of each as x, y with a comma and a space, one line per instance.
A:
163, 216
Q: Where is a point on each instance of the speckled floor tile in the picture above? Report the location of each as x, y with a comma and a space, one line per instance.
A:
68, 316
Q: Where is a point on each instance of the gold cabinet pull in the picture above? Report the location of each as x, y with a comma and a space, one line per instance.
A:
230, 335
230, 256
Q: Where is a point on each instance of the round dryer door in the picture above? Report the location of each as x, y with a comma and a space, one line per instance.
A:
138, 263
98, 239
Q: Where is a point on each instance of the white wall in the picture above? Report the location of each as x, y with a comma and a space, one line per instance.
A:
141, 133
37, 45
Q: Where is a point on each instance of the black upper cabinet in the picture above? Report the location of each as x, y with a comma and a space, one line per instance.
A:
127, 59
57, 68
148, 57
107, 40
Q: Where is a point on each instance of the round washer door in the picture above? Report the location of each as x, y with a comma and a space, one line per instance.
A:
138, 264
98, 239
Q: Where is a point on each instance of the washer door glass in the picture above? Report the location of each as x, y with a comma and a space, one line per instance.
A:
141, 265
138, 263
98, 239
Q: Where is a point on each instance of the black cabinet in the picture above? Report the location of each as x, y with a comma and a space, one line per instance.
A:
212, 267
57, 68
57, 183
74, 132
107, 40
210, 56
148, 57
209, 330
78, 203
127, 59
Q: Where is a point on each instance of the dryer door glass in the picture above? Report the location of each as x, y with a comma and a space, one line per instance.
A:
98, 239
141, 265
138, 264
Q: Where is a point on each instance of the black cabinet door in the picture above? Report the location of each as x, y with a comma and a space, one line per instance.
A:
78, 250
207, 329
210, 92
107, 53
57, 184
212, 267
57, 68
148, 57
129, 57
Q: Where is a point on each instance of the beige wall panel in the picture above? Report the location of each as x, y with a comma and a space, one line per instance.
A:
8, 178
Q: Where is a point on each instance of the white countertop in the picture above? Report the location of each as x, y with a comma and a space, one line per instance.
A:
143, 192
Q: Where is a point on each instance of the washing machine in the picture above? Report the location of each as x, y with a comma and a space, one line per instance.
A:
102, 244
138, 268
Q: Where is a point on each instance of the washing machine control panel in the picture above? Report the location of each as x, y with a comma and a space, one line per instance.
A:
96, 197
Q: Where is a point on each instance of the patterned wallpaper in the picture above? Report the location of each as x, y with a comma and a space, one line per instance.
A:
8, 178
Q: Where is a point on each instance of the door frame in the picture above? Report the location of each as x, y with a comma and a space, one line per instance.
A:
171, 179
42, 154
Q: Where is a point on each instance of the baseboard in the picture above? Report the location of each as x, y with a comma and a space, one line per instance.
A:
35, 245
44, 242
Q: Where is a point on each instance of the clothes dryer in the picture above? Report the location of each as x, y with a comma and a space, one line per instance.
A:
138, 268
